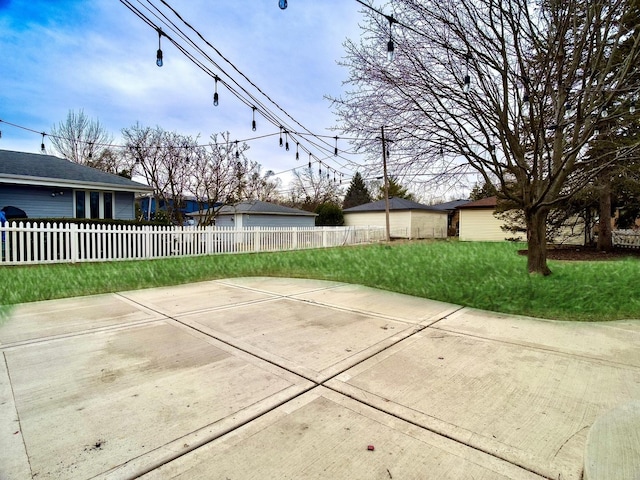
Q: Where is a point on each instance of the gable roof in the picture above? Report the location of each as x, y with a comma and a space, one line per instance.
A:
46, 170
394, 204
489, 202
256, 207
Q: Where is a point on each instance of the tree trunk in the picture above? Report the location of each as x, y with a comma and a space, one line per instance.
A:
605, 241
537, 242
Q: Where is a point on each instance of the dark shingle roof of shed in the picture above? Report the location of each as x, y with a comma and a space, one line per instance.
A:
394, 204
450, 205
41, 167
257, 207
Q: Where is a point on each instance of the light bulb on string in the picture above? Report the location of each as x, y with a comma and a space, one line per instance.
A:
282, 4
467, 84
159, 52
237, 150
286, 144
42, 144
309, 161
390, 45
253, 122
215, 92
335, 150
297, 151
281, 137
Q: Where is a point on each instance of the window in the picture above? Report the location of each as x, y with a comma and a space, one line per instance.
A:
80, 212
108, 205
93, 204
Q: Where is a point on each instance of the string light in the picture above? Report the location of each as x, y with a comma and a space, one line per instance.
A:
253, 122
297, 149
159, 52
215, 92
309, 161
281, 136
237, 150
242, 94
335, 150
282, 4
286, 136
42, 144
390, 46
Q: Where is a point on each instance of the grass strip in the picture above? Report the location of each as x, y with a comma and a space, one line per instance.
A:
488, 276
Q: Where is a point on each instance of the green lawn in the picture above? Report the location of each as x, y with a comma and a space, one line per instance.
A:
489, 276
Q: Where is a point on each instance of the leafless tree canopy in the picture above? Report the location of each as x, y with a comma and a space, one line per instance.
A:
310, 188
177, 166
83, 140
513, 89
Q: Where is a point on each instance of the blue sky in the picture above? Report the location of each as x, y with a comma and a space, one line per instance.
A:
99, 57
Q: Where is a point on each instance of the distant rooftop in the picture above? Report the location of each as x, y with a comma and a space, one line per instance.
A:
450, 206
489, 202
257, 207
394, 204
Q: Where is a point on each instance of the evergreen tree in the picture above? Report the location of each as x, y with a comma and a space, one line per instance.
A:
329, 214
395, 190
357, 194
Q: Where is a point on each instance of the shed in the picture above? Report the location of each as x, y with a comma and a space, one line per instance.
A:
45, 186
479, 223
407, 219
255, 213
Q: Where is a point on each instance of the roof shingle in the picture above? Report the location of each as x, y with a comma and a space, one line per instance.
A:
41, 167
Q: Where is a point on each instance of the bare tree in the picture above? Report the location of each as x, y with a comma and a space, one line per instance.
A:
176, 165
222, 173
514, 89
310, 188
83, 140
163, 159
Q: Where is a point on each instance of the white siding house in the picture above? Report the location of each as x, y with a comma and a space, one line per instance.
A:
255, 213
478, 223
407, 219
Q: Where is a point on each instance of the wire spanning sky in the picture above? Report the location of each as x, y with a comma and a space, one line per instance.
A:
100, 58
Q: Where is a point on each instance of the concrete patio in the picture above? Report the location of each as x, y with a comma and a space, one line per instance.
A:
268, 378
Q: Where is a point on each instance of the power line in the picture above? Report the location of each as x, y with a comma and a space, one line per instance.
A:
239, 91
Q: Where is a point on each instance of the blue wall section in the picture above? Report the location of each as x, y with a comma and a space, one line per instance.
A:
49, 202
38, 202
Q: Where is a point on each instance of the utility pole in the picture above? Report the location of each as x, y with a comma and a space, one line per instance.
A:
386, 184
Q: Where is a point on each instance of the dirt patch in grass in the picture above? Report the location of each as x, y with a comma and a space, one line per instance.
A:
588, 254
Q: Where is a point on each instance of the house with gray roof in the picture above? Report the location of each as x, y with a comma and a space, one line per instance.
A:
45, 186
407, 219
254, 213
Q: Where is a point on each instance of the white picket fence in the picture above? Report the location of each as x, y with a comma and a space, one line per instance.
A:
38, 243
626, 238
